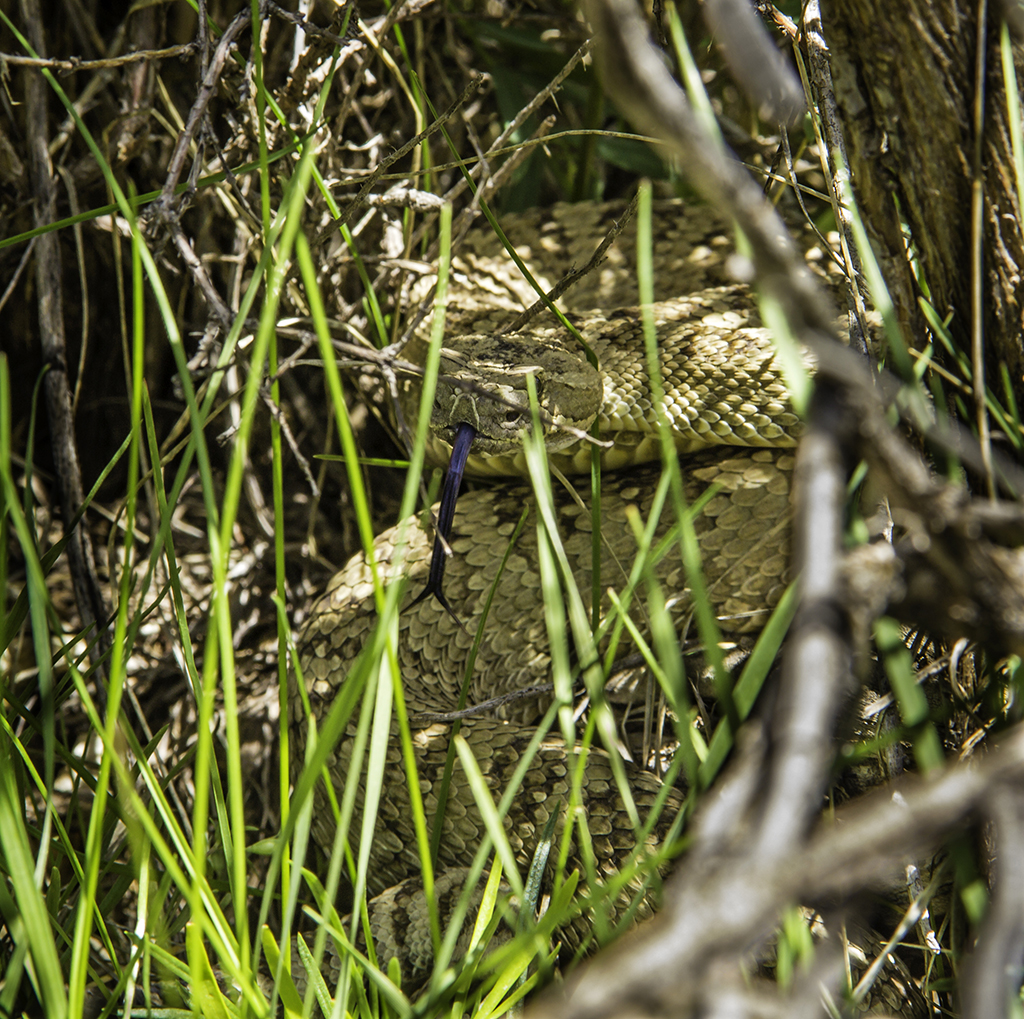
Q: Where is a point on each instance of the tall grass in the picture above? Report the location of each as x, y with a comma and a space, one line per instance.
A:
88, 824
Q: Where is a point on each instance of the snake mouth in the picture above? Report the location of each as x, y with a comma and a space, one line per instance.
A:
465, 433
483, 381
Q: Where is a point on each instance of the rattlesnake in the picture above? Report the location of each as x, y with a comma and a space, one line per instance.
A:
727, 402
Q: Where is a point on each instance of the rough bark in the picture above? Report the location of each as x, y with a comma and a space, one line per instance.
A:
904, 77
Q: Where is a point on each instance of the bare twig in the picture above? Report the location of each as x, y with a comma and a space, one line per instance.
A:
818, 678
88, 593
305, 24
712, 909
71, 64
487, 707
993, 975
286, 431
978, 309
637, 79
836, 169
755, 62
22, 264
195, 115
217, 304
575, 274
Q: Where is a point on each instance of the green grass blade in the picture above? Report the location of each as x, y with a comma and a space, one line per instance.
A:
31, 906
707, 626
751, 681
912, 701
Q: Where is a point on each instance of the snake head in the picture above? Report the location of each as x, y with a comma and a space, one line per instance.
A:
483, 383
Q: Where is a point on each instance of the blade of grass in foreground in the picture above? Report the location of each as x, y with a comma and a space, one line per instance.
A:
387, 604
751, 680
707, 626
30, 908
46, 969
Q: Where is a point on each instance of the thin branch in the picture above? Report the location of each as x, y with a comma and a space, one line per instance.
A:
71, 64
727, 902
993, 975
574, 275
305, 24
818, 676
206, 92
81, 558
978, 309
755, 62
836, 170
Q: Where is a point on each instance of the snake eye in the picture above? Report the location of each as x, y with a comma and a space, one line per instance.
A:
512, 417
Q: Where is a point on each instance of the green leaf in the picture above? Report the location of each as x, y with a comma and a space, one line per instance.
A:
286, 988
208, 1000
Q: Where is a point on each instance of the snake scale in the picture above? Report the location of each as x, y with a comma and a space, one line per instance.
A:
726, 399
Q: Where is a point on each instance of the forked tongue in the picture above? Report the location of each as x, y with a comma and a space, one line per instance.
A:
464, 436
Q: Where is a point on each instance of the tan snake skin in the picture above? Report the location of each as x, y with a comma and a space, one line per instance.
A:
723, 388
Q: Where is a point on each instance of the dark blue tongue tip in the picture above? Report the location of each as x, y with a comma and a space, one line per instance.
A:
464, 436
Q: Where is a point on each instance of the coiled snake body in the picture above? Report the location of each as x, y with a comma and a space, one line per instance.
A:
727, 404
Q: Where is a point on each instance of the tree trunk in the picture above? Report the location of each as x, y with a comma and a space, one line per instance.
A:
905, 83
